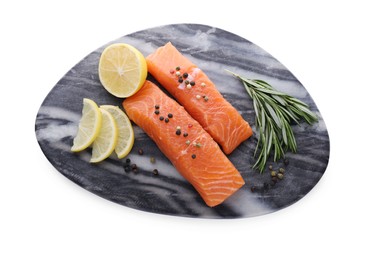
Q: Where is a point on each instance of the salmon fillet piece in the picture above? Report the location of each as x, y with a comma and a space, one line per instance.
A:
193, 152
202, 101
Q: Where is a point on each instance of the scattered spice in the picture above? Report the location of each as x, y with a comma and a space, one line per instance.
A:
180, 80
270, 167
178, 128
273, 173
206, 98
193, 156
281, 170
134, 166
198, 96
152, 159
187, 82
253, 188
185, 75
155, 172
157, 112
177, 73
178, 132
161, 118
286, 162
203, 84
178, 68
127, 168
198, 145
189, 125
157, 106
192, 83
280, 176
188, 142
185, 134
189, 86
166, 120
170, 115
128, 160
140, 151
171, 71
274, 179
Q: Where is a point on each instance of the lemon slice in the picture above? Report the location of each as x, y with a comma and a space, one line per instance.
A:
125, 131
89, 126
105, 142
122, 69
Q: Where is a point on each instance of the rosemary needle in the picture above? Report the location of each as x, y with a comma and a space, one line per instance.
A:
275, 111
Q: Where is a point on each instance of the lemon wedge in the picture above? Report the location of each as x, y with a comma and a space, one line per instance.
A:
89, 126
105, 142
125, 131
122, 69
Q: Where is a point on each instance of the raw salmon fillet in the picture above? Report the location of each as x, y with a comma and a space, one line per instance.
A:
202, 101
185, 143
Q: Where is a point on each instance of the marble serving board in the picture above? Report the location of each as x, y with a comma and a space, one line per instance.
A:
213, 50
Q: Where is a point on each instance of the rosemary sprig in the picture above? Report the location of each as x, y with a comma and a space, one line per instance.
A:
275, 111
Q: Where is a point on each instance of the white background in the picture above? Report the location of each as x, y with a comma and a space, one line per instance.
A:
339, 50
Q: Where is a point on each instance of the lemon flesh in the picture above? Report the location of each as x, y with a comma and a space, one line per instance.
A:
89, 126
122, 69
106, 140
125, 131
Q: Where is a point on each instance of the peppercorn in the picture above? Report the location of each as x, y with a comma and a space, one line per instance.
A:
274, 179
157, 107
178, 68
155, 172
270, 167
185, 75
280, 176
193, 156
177, 73
127, 168
203, 84
128, 160
157, 112
188, 142
192, 83
273, 173
281, 170
187, 82
197, 96
161, 118
253, 188
286, 162
140, 151
185, 134
166, 120
178, 132
170, 115
152, 159
180, 80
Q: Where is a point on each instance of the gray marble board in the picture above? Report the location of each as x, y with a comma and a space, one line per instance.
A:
213, 50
